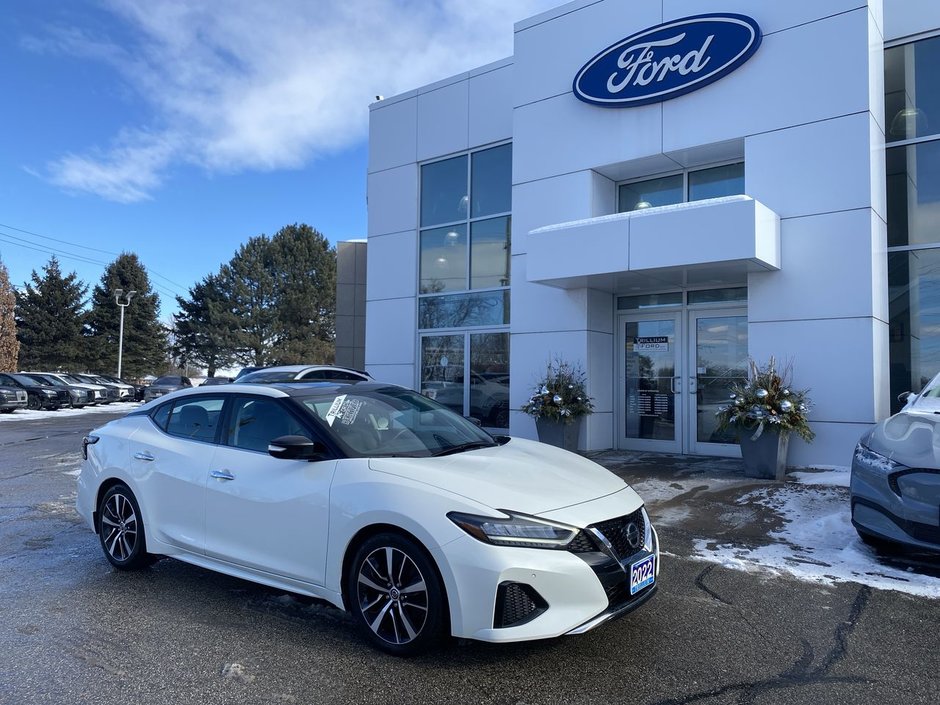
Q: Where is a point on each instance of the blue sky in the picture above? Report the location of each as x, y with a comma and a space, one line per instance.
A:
177, 129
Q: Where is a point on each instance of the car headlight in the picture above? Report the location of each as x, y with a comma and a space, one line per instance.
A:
49, 393
875, 463
515, 529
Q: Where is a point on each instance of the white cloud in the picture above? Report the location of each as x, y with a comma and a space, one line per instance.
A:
245, 85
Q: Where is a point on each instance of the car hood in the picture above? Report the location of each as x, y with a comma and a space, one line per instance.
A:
522, 476
910, 437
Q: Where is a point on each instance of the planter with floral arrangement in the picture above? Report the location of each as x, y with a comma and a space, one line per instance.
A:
559, 403
765, 411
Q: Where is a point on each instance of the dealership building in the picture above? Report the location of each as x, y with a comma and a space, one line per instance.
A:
657, 191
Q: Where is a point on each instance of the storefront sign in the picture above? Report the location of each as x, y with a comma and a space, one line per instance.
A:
668, 60
651, 343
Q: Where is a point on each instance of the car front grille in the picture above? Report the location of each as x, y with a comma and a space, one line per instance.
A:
625, 534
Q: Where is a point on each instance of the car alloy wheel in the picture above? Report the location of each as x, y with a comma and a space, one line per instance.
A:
121, 529
33, 403
396, 595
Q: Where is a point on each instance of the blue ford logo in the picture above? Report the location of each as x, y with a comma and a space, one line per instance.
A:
668, 60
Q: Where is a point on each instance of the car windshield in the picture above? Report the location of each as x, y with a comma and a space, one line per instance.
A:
392, 421
72, 379
267, 377
43, 379
26, 381
170, 381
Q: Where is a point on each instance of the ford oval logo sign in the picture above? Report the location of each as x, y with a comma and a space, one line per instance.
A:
668, 60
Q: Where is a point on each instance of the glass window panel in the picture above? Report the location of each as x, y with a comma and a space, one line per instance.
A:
913, 188
444, 259
490, 253
663, 191
196, 419
489, 379
463, 310
444, 191
716, 182
912, 90
629, 303
721, 362
491, 181
650, 363
914, 309
715, 296
255, 422
442, 373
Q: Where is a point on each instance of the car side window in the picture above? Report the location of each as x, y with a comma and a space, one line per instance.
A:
4, 379
161, 415
197, 419
255, 421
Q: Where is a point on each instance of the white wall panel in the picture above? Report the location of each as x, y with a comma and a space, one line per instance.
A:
561, 135
771, 15
395, 255
537, 307
802, 75
393, 129
832, 447
816, 168
393, 200
490, 102
827, 270
393, 374
442, 120
548, 201
902, 18
390, 332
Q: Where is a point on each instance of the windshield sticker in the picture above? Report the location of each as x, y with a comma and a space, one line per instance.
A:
344, 410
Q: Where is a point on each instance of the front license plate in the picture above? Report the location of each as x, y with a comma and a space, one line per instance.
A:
642, 573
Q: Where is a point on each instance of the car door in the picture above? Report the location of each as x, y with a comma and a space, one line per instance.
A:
264, 513
171, 457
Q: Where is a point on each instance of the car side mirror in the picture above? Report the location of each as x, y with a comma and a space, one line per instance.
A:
474, 420
296, 448
904, 396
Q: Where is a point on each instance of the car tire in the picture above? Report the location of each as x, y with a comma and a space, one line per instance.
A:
121, 529
33, 403
395, 595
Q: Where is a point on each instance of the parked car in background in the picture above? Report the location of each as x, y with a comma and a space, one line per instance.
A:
244, 371
111, 390
38, 396
98, 392
304, 373
212, 381
12, 397
165, 385
78, 396
895, 485
125, 389
378, 500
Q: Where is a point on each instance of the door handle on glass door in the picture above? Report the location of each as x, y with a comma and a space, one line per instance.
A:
674, 387
693, 385
222, 475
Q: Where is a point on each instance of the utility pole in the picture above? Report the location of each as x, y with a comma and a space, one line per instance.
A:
118, 293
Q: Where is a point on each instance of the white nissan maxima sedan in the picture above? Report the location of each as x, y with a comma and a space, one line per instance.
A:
378, 500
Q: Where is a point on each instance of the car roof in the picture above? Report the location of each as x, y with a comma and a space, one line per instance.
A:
279, 390
306, 368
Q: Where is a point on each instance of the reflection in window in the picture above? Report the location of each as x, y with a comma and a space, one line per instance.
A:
914, 194
444, 196
721, 362
490, 254
663, 191
462, 310
442, 370
489, 379
491, 181
716, 182
914, 308
444, 259
912, 90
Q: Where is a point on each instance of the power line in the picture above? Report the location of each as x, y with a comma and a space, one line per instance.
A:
64, 242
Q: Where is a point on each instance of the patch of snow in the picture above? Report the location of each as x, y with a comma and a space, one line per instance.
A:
120, 407
817, 543
834, 478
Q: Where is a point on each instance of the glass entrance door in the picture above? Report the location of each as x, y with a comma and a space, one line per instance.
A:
650, 357
676, 370
717, 360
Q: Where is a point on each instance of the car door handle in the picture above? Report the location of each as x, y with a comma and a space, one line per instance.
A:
143, 455
222, 475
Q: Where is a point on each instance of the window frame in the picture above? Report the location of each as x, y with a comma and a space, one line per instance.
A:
172, 404
225, 439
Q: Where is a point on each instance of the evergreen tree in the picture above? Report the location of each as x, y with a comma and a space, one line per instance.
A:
248, 283
306, 284
49, 320
202, 330
145, 342
9, 345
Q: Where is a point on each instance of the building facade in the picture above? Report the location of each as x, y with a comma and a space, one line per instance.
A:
785, 205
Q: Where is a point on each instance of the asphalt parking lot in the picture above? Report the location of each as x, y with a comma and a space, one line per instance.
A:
745, 613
